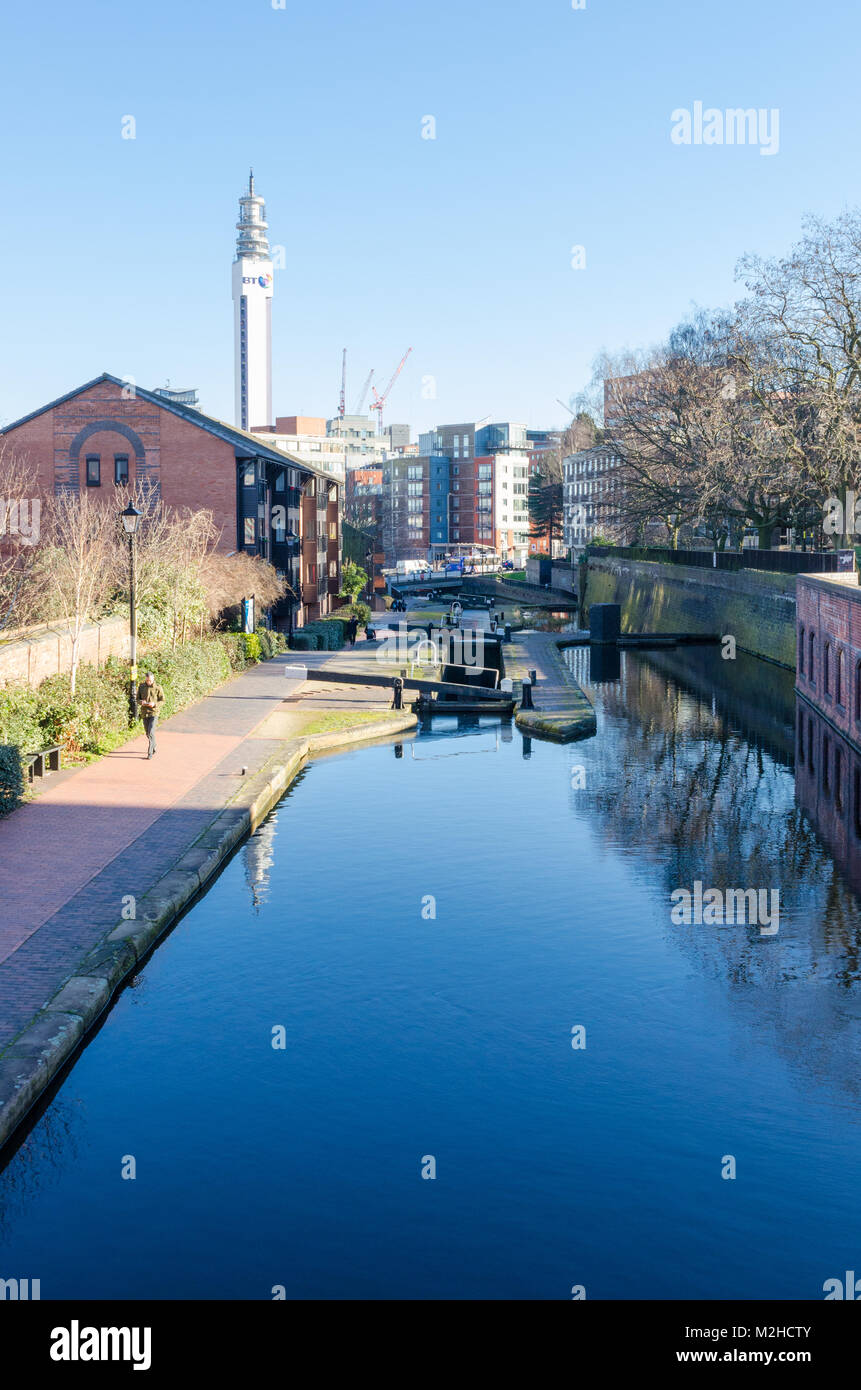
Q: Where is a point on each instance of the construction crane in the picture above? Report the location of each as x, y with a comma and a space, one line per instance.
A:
342, 403
365, 389
380, 400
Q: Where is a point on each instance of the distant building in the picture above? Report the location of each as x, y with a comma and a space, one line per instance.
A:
252, 308
592, 495
189, 398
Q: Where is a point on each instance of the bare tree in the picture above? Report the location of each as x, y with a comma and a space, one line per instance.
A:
20, 536
77, 561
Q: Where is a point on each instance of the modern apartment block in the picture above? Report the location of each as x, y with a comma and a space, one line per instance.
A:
592, 495
485, 470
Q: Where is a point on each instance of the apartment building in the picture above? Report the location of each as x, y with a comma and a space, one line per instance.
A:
593, 493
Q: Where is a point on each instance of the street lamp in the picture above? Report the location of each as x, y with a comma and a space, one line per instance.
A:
369, 561
131, 519
291, 539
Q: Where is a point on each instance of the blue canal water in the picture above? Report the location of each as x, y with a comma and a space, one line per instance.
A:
411, 1036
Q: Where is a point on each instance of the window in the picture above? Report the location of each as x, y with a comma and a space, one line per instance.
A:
250, 530
858, 690
249, 476
801, 651
838, 678
94, 470
826, 670
121, 470
279, 480
811, 668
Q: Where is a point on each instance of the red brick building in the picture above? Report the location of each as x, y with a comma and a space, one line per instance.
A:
107, 434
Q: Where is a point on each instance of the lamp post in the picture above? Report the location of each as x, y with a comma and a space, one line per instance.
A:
292, 541
369, 561
131, 519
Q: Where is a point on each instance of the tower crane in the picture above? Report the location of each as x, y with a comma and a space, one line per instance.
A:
341, 404
365, 390
380, 400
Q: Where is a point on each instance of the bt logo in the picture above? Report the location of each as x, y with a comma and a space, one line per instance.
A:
263, 280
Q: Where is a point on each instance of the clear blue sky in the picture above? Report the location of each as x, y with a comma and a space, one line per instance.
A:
553, 129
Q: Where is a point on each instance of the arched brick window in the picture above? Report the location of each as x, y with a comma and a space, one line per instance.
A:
858, 689
801, 651
826, 669
838, 677
811, 660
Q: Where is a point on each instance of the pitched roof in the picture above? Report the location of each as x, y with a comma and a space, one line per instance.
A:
246, 443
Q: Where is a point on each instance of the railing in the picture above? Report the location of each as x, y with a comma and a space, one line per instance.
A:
782, 561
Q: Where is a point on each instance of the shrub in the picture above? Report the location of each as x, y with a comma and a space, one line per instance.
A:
189, 672
303, 641
234, 644
94, 719
19, 718
267, 643
252, 646
11, 779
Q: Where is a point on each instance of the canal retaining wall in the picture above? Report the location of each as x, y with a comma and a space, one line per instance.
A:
38, 1054
756, 607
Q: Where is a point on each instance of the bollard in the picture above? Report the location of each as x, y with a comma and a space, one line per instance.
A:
533, 676
526, 697
398, 701
508, 632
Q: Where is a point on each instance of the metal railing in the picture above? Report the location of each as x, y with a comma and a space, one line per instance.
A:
781, 561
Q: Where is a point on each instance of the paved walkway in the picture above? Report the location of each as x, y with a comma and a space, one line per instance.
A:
93, 836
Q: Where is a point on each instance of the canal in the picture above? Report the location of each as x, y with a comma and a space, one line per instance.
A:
433, 925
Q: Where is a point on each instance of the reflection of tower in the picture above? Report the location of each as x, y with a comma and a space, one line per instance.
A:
259, 856
252, 314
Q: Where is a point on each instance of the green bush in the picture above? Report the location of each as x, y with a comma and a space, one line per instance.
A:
19, 718
304, 641
92, 721
11, 779
252, 646
234, 644
190, 672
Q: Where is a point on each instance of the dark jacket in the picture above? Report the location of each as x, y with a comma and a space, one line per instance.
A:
152, 692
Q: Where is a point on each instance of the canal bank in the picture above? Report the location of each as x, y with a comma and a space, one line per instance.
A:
101, 865
756, 607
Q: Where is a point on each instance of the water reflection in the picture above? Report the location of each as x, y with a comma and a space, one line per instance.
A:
689, 774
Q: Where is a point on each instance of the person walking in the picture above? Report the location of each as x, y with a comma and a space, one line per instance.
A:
352, 630
150, 696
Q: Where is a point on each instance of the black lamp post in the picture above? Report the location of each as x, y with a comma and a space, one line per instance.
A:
369, 561
292, 541
131, 519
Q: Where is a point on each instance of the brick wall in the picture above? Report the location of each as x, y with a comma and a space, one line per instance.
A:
47, 651
190, 466
829, 650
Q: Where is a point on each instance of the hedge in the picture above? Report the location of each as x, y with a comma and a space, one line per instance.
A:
97, 719
11, 779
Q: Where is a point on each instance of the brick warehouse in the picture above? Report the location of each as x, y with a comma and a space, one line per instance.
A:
107, 434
